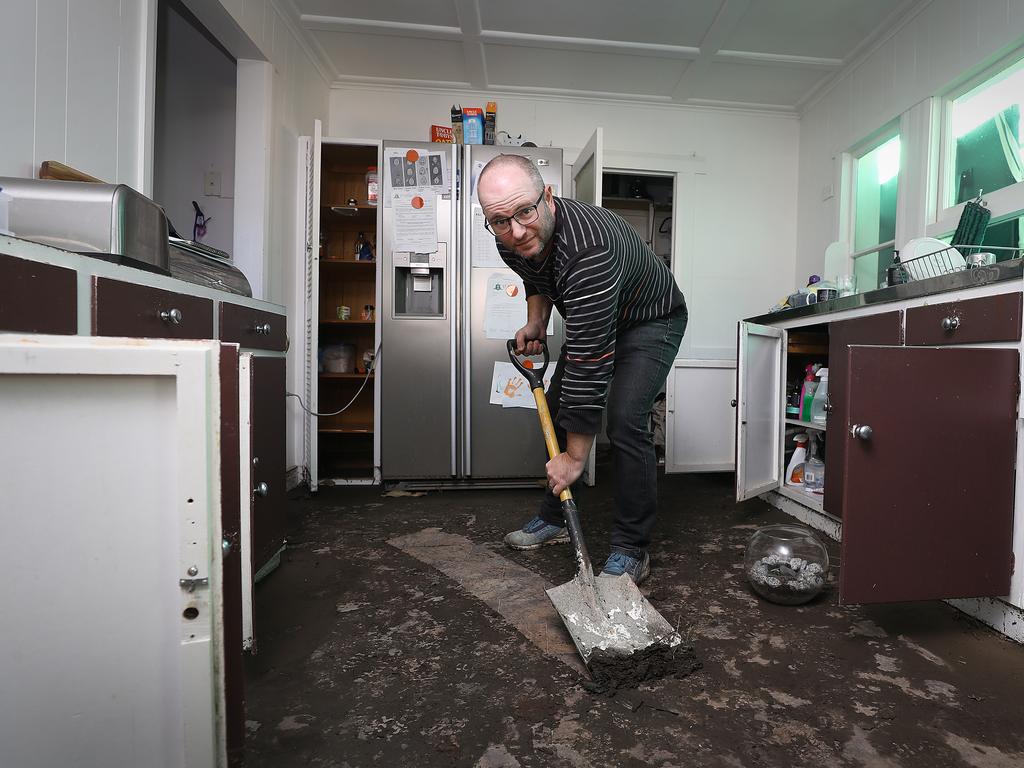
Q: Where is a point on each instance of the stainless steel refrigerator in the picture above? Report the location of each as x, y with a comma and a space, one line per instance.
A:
439, 341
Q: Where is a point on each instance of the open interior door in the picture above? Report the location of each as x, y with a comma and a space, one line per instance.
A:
310, 149
759, 409
587, 172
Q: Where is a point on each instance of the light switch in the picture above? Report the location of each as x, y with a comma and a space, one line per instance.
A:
828, 191
211, 183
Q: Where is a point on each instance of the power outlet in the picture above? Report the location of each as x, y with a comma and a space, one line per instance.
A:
211, 183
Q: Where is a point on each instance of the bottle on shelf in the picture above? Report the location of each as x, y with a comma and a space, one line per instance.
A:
807, 392
814, 468
795, 469
372, 185
818, 413
360, 243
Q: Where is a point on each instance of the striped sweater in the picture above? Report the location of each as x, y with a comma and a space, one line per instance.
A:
603, 278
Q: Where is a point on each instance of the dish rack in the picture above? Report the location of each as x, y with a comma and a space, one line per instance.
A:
958, 258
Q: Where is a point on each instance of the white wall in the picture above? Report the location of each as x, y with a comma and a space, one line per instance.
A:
195, 129
72, 85
735, 209
943, 44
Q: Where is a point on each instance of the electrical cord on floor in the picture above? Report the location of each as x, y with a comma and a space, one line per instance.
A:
369, 370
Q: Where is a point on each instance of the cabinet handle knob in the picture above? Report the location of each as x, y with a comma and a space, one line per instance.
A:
263, 329
172, 316
261, 489
733, 403
950, 324
861, 431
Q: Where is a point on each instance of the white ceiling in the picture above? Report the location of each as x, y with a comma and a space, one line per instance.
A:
761, 54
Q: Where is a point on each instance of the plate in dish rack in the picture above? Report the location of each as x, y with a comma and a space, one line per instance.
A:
925, 257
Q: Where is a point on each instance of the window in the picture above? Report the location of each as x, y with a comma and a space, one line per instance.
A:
986, 158
875, 185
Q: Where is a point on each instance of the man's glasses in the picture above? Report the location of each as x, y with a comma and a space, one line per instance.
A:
524, 216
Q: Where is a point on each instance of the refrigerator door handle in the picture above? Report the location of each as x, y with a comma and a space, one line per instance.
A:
466, 309
453, 310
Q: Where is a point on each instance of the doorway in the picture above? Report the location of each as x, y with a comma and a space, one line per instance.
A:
645, 200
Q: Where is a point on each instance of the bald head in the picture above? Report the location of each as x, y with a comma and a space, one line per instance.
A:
505, 169
518, 205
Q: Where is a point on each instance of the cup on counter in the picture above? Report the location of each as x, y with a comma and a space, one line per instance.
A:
826, 294
344, 313
983, 259
846, 285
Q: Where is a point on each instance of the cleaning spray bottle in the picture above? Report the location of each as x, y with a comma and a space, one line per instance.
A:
795, 470
814, 469
807, 392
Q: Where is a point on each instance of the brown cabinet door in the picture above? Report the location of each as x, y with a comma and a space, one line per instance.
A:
268, 456
37, 298
252, 328
234, 679
928, 497
884, 330
970, 321
138, 311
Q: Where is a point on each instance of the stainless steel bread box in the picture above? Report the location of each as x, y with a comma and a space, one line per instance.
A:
89, 218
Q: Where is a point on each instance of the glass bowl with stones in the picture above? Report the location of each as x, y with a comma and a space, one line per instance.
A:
786, 563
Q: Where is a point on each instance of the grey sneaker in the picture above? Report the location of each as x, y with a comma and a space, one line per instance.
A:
537, 533
619, 563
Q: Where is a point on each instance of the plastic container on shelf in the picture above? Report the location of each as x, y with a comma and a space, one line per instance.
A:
340, 358
807, 393
818, 413
786, 563
372, 185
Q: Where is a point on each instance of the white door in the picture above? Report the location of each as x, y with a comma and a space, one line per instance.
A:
309, 286
760, 409
588, 170
112, 650
586, 187
700, 434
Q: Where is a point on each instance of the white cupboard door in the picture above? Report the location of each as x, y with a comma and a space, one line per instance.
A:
587, 174
113, 651
588, 170
760, 409
700, 434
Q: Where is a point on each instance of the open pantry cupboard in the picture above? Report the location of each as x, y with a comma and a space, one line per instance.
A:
921, 442
342, 325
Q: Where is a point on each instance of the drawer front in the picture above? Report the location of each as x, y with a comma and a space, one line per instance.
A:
252, 328
126, 309
973, 321
37, 298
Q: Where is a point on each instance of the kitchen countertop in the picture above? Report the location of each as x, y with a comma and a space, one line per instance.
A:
957, 281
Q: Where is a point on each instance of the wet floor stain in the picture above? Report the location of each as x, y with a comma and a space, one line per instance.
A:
371, 656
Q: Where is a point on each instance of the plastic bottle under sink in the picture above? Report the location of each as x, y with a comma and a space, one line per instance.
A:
820, 399
814, 469
795, 468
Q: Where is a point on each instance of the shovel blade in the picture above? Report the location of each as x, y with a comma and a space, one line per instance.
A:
612, 615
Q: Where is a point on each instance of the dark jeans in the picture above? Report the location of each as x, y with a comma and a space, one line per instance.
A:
643, 358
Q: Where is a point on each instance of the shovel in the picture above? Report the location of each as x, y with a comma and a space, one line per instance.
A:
608, 618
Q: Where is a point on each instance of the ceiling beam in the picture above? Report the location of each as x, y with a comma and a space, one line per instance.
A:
374, 26
468, 12
784, 59
527, 40
728, 17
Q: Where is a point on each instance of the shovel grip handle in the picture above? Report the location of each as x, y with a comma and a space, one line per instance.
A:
533, 375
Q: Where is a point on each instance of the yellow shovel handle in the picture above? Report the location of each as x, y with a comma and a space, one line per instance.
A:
548, 428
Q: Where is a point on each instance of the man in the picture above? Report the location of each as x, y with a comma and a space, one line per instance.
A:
624, 319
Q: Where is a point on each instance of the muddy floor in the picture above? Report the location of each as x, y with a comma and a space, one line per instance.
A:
398, 631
